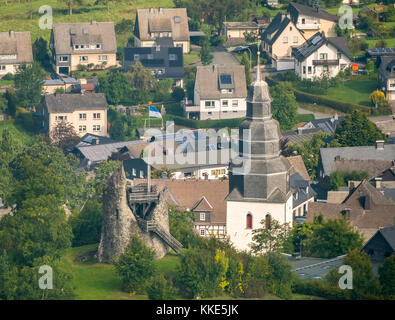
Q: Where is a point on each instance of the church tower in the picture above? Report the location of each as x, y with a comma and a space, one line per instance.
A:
259, 177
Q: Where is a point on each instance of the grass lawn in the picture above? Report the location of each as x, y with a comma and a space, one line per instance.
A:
17, 130
191, 57
6, 82
390, 42
357, 92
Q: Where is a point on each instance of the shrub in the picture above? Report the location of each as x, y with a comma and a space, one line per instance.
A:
161, 289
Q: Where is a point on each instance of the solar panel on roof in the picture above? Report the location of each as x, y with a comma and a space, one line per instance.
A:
226, 78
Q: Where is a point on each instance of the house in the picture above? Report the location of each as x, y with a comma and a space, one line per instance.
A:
321, 56
303, 195
327, 125
87, 44
366, 207
153, 24
165, 62
278, 39
87, 113
311, 20
15, 49
377, 53
385, 179
239, 30
63, 83
387, 76
380, 246
262, 22
220, 93
359, 158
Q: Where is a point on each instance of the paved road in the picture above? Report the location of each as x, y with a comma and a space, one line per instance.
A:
221, 56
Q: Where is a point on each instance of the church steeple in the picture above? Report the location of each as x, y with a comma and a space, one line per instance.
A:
264, 175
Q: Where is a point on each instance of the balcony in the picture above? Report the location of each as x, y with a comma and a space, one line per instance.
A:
308, 26
325, 62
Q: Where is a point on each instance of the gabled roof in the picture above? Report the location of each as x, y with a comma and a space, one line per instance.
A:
16, 43
92, 139
386, 65
202, 205
65, 35
296, 8
241, 25
388, 234
317, 41
301, 189
275, 28
298, 167
174, 20
208, 81
68, 103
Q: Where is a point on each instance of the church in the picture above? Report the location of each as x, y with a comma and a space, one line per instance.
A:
259, 183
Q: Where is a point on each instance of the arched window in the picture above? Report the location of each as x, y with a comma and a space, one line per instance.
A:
268, 221
249, 221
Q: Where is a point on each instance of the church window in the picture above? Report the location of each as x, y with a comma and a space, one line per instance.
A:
249, 221
268, 221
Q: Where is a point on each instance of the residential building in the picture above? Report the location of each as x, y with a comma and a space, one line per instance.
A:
278, 39
15, 49
303, 194
320, 56
87, 113
259, 186
165, 62
330, 159
153, 24
50, 86
239, 30
327, 125
87, 44
220, 93
387, 76
311, 20
367, 209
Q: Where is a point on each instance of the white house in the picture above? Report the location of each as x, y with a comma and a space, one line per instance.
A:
220, 93
321, 56
387, 76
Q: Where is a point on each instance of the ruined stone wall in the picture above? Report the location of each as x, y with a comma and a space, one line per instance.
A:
119, 222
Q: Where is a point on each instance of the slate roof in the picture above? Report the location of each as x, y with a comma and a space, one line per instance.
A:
275, 28
317, 41
68, 103
302, 189
327, 155
92, 33
296, 8
208, 86
16, 43
387, 62
388, 234
160, 59
92, 139
162, 20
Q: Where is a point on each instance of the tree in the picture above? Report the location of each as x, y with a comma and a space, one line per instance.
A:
332, 238
381, 44
387, 279
256, 285
357, 130
336, 180
86, 225
11, 101
269, 238
7, 282
205, 55
182, 227
115, 86
140, 78
245, 61
378, 98
163, 171
284, 106
71, 4
40, 52
161, 289
63, 136
280, 277
178, 94
29, 81
103, 172
136, 266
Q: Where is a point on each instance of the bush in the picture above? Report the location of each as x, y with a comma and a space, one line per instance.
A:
136, 266
318, 288
178, 94
161, 289
204, 124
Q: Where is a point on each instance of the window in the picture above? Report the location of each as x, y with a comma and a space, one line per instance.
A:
96, 127
134, 171
136, 57
60, 118
285, 39
96, 116
309, 69
209, 103
141, 174
224, 103
304, 69
83, 58
98, 46
268, 221
249, 221
202, 232
222, 171
299, 211
172, 57
77, 46
82, 116
64, 58
323, 56
290, 28
213, 172
303, 21
202, 216
150, 56
82, 128
295, 39
235, 103
102, 58
2, 67
325, 68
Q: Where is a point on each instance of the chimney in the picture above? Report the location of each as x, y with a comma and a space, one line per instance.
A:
93, 21
12, 33
380, 144
160, 10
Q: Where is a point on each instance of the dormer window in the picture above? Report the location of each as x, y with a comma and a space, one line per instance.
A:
77, 46
136, 57
150, 56
172, 57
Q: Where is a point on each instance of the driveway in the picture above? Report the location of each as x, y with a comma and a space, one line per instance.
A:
221, 56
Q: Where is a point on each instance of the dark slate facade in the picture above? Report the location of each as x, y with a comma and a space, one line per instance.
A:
381, 245
166, 62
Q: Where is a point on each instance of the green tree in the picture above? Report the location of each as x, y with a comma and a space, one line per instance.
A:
284, 106
280, 277
140, 78
245, 61
103, 172
86, 225
12, 101
115, 86
7, 281
161, 289
336, 180
136, 266
205, 55
63, 136
178, 94
71, 4
182, 227
41, 52
269, 238
387, 279
357, 130
256, 282
29, 81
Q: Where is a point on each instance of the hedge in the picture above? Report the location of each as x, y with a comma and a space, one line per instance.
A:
318, 288
204, 124
344, 107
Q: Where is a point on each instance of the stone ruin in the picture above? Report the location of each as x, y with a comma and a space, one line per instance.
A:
140, 209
